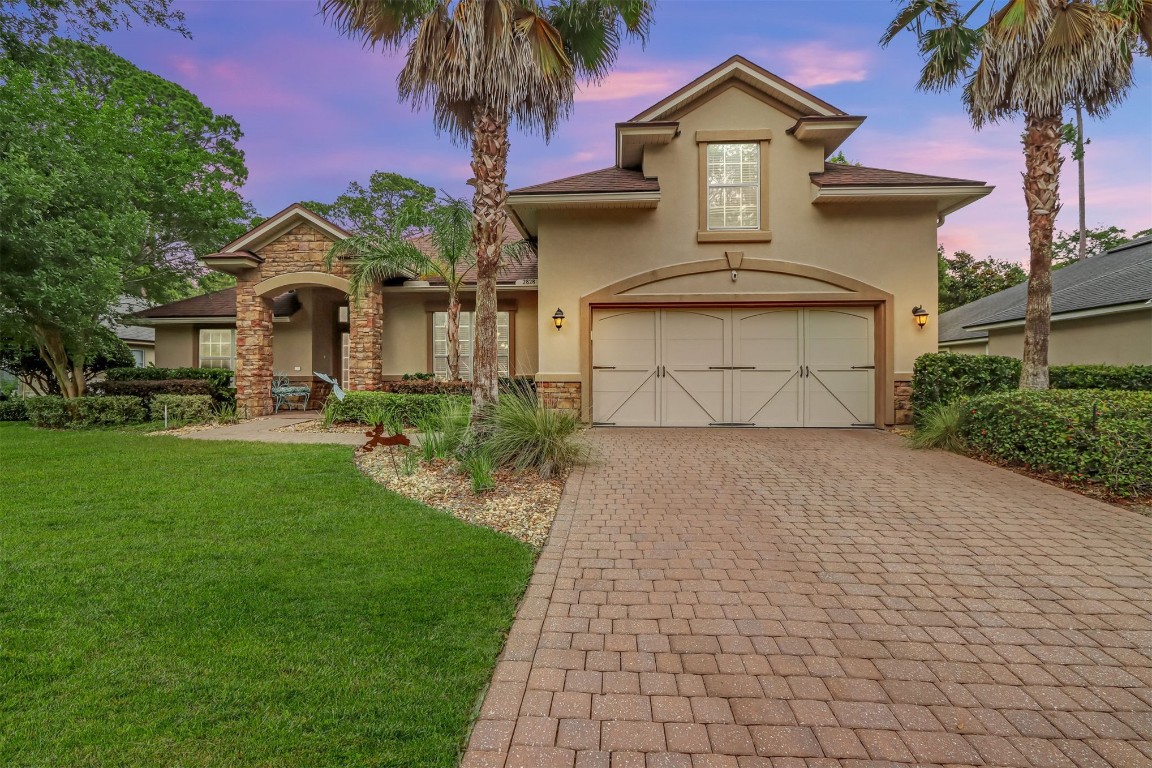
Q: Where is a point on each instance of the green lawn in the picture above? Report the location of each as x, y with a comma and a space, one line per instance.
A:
169, 602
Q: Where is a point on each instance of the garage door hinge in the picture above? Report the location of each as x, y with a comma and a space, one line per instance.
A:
603, 423
863, 367
603, 367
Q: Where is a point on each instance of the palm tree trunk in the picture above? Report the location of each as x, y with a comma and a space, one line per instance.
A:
1082, 253
489, 168
1042, 162
453, 336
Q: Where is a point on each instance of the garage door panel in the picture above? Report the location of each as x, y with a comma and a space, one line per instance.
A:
626, 398
694, 398
626, 339
767, 339
768, 398
839, 398
693, 339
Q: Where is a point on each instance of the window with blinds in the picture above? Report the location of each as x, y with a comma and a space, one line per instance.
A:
218, 348
734, 186
440, 344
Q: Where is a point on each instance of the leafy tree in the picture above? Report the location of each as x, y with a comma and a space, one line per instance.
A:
443, 248
25, 362
964, 278
1066, 245
26, 24
1032, 58
840, 159
151, 180
374, 210
480, 65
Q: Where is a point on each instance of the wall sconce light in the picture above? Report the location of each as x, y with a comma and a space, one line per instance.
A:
921, 316
558, 318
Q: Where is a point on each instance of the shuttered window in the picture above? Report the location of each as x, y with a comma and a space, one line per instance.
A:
440, 344
734, 186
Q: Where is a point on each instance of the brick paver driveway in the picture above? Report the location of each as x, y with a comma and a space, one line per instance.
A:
787, 598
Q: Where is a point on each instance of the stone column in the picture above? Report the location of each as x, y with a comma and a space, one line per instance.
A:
365, 341
253, 353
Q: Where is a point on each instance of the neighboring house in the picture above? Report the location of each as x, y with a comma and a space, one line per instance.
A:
1101, 313
141, 340
720, 272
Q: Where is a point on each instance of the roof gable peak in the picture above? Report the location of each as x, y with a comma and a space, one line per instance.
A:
739, 70
279, 223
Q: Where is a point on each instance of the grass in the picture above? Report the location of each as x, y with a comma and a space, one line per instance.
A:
940, 426
169, 602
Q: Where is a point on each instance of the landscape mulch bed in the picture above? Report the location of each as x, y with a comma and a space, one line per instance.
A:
522, 504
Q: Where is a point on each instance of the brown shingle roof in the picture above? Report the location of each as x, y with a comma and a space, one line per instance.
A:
509, 273
219, 304
837, 175
606, 180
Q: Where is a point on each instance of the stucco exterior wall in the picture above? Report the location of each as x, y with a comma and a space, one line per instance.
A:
889, 246
407, 327
978, 347
1122, 339
175, 346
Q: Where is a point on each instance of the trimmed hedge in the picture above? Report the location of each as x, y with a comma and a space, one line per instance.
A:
57, 413
1132, 378
195, 408
407, 408
220, 379
411, 385
13, 410
148, 390
942, 377
1099, 435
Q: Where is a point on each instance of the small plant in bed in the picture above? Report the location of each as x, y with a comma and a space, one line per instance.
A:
940, 426
524, 435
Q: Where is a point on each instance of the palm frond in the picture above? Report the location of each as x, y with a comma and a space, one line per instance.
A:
387, 22
948, 54
1137, 15
913, 13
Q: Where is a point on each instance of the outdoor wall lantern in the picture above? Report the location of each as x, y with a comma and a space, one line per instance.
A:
558, 318
921, 316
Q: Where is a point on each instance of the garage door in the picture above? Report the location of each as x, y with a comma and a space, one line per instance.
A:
755, 367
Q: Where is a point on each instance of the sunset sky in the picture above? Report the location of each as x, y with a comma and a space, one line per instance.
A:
318, 111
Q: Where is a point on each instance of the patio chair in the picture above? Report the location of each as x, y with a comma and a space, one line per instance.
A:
284, 392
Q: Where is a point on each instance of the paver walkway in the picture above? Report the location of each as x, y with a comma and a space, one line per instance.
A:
782, 598
264, 430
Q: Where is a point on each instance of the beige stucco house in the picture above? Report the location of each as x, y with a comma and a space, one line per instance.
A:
719, 272
1101, 313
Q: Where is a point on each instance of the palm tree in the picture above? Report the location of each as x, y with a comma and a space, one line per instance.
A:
1031, 57
480, 65
442, 248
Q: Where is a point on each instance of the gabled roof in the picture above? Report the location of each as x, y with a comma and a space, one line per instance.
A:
133, 333
1118, 279
509, 274
739, 69
839, 175
217, 305
606, 180
279, 223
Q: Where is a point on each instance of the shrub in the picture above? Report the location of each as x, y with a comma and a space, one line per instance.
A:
1097, 435
188, 408
108, 411
55, 412
13, 410
1134, 378
524, 434
219, 379
147, 390
49, 411
409, 409
226, 413
946, 376
940, 427
428, 386
443, 431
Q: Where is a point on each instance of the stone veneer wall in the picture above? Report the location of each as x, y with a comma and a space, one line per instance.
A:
903, 398
561, 395
301, 249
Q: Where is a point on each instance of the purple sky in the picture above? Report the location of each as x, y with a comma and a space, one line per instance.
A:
318, 111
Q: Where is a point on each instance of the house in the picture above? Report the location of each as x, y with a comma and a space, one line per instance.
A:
1101, 313
141, 340
719, 272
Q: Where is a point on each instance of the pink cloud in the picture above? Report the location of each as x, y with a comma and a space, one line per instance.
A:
628, 85
810, 65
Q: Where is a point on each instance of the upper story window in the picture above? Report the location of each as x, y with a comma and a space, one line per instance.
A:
733, 185
218, 348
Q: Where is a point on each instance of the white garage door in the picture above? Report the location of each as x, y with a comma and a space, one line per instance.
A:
762, 367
